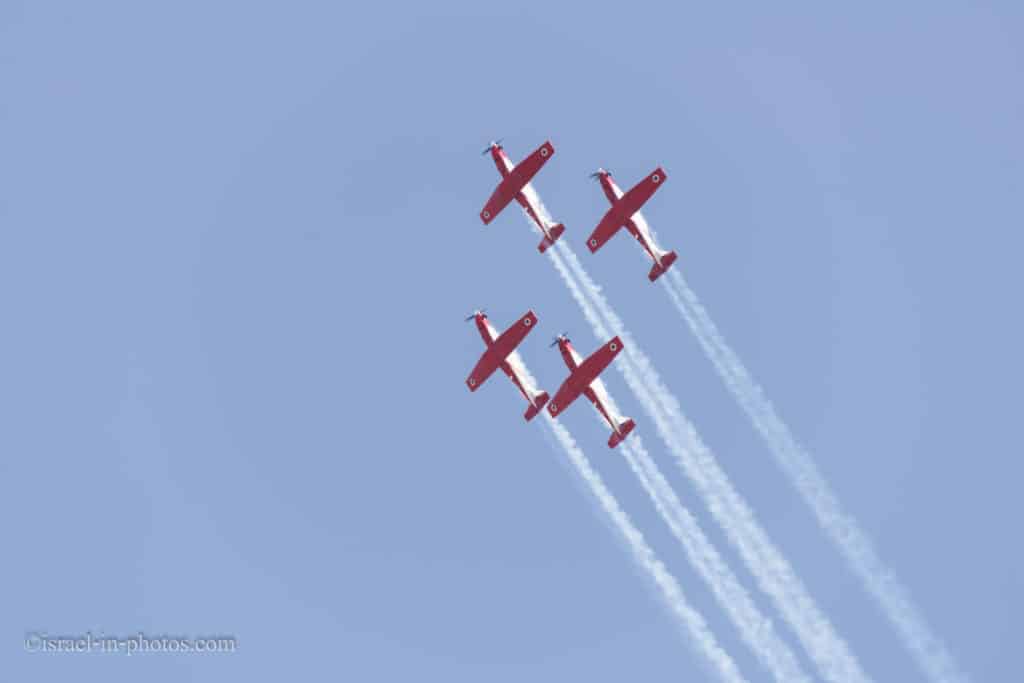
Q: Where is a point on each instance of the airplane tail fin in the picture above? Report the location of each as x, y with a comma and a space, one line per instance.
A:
659, 268
555, 231
539, 400
625, 427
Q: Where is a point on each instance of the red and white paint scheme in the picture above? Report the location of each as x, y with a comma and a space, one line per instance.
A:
515, 184
501, 353
625, 211
583, 379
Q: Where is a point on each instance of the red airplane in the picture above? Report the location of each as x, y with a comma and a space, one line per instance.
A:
625, 211
501, 353
583, 379
515, 184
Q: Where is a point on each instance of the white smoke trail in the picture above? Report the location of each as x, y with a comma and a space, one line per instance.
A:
770, 569
854, 545
756, 630
701, 637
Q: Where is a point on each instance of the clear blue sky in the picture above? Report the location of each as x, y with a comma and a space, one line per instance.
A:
238, 242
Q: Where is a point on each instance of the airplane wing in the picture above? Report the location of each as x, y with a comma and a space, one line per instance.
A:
641, 192
609, 225
584, 375
500, 349
622, 210
514, 182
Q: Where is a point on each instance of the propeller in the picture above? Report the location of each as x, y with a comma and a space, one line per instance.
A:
564, 335
598, 172
494, 143
475, 314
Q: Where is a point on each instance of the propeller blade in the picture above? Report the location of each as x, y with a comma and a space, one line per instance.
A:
470, 317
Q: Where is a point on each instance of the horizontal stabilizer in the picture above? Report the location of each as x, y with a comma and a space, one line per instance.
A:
538, 403
554, 232
625, 427
659, 268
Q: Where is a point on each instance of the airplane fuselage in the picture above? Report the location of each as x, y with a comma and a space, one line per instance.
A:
595, 391
614, 194
505, 166
489, 334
